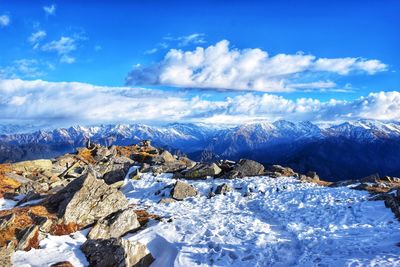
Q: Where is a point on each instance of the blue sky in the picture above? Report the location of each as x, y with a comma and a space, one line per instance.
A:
319, 50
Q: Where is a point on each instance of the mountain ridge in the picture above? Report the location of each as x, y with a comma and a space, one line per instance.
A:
363, 144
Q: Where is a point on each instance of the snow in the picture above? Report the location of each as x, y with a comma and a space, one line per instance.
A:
263, 222
54, 249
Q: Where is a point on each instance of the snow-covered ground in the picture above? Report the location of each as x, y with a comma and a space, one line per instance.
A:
264, 222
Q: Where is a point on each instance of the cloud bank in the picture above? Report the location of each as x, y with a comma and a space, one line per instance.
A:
77, 103
221, 67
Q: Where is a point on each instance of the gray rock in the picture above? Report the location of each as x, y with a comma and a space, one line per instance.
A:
202, 170
223, 189
246, 167
313, 175
115, 225
29, 197
116, 252
278, 170
182, 190
166, 200
115, 169
28, 237
86, 200
33, 165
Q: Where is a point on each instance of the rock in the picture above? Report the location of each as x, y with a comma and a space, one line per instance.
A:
226, 165
246, 167
202, 170
115, 225
313, 175
33, 165
29, 197
62, 264
223, 189
116, 252
169, 167
28, 238
166, 200
182, 190
86, 200
165, 156
278, 170
101, 153
115, 169
393, 203
371, 178
6, 254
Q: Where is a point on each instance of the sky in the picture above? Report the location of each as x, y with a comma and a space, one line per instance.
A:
74, 62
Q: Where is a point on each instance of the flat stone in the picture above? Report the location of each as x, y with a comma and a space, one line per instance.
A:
115, 225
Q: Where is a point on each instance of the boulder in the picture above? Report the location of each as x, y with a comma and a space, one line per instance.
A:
182, 190
86, 200
33, 165
223, 189
313, 175
115, 225
116, 252
393, 202
202, 170
165, 156
246, 167
278, 170
114, 170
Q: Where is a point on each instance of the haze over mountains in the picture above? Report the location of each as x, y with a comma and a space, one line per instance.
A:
339, 151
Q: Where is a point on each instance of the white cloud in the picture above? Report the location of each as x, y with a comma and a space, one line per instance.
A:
67, 59
23, 68
221, 67
36, 37
4, 20
50, 10
63, 47
72, 102
194, 38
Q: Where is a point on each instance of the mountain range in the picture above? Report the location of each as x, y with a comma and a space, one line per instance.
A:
341, 151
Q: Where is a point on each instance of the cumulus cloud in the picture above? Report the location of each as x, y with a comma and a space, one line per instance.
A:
221, 67
50, 10
72, 102
4, 20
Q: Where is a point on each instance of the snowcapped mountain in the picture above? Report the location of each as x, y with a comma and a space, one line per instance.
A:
337, 151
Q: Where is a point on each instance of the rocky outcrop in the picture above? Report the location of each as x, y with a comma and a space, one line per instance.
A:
116, 252
115, 225
182, 190
86, 200
246, 167
202, 171
278, 171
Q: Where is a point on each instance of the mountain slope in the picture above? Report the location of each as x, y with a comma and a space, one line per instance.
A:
342, 151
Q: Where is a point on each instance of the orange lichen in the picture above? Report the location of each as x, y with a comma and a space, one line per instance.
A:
144, 216
7, 185
64, 229
23, 217
87, 155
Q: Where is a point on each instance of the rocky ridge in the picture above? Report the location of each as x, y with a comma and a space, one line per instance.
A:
82, 190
